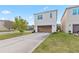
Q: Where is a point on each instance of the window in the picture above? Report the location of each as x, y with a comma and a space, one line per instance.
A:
74, 11
50, 15
40, 17
78, 11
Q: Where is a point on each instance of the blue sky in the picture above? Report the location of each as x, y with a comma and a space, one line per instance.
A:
8, 12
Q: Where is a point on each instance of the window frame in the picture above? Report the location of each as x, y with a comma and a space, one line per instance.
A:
74, 11
50, 14
40, 17
78, 10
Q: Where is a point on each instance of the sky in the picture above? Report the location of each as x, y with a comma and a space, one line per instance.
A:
9, 12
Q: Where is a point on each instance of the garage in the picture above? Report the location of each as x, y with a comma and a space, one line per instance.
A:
45, 28
75, 28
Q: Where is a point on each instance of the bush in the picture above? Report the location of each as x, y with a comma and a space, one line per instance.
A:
33, 31
58, 28
69, 32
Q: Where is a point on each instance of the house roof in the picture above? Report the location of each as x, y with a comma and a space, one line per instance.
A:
5, 20
45, 12
67, 9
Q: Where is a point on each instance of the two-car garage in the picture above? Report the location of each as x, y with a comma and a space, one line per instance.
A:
47, 28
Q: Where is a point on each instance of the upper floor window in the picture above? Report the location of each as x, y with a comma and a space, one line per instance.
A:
50, 15
40, 17
74, 11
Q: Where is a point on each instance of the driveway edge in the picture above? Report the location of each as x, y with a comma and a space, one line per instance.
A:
38, 44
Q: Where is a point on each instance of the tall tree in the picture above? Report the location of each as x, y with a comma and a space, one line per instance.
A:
20, 24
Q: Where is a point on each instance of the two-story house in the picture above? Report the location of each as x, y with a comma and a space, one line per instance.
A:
45, 21
70, 20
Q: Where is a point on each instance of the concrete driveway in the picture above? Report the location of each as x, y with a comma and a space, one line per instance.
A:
22, 44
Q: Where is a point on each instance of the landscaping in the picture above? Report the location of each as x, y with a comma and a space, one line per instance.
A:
11, 35
59, 43
18, 28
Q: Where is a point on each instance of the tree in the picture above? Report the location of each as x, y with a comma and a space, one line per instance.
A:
20, 24
58, 28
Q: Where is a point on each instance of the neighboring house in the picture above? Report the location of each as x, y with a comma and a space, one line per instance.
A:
5, 25
70, 20
45, 21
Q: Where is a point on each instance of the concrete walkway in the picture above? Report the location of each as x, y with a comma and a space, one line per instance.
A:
22, 44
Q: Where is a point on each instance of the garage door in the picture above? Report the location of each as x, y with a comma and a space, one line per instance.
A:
44, 28
75, 28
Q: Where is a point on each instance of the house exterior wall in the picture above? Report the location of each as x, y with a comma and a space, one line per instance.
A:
64, 22
8, 25
70, 19
2, 27
5, 25
46, 20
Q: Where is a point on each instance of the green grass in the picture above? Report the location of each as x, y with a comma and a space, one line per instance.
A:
11, 35
59, 43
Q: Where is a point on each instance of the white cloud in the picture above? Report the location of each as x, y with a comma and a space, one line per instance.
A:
29, 17
45, 8
6, 12
2, 18
30, 20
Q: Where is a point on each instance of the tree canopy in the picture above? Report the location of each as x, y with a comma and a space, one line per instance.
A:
20, 24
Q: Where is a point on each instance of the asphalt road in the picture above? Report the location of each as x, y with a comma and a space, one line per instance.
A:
22, 44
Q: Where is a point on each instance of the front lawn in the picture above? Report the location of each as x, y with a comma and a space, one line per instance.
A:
11, 35
59, 42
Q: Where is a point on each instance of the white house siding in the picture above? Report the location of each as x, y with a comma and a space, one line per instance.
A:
70, 19
46, 20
